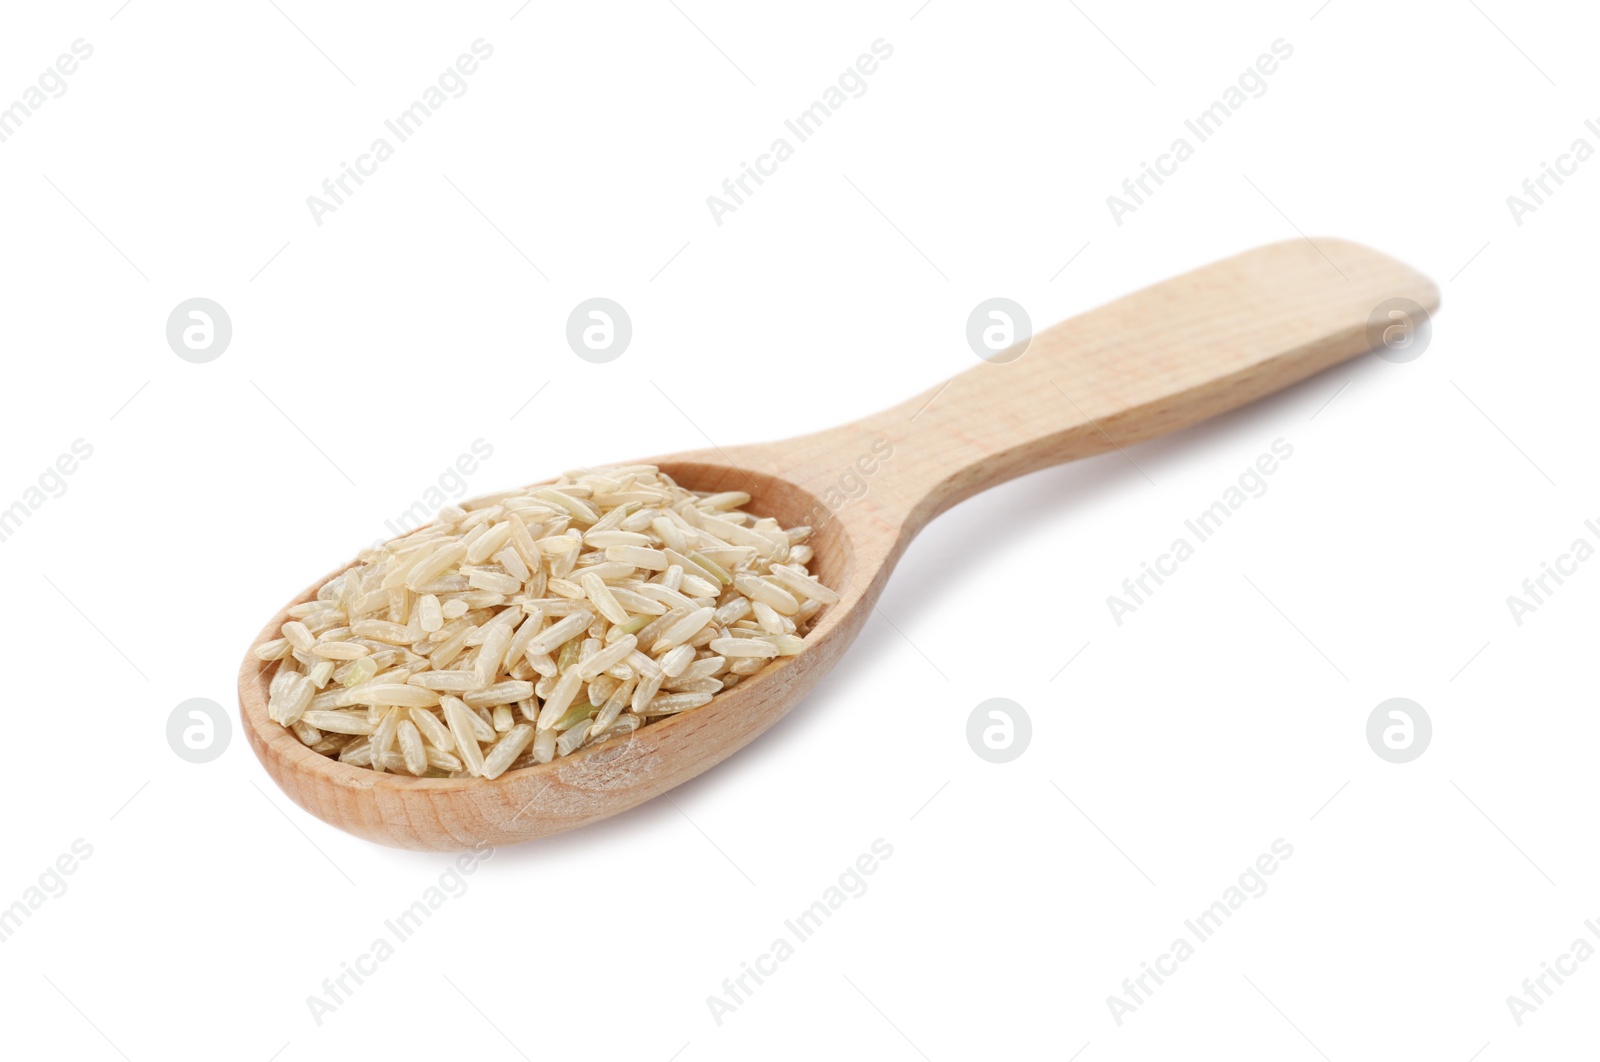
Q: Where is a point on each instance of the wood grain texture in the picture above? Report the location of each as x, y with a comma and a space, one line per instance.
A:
1148, 364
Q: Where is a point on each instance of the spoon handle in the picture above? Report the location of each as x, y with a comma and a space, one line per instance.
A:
1153, 362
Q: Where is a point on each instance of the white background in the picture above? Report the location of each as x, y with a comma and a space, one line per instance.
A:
372, 350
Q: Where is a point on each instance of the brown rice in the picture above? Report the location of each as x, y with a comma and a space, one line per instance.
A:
522, 626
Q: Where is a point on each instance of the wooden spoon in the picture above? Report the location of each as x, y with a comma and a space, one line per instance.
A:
1151, 363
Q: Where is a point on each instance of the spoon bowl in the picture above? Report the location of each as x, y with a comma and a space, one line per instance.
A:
1153, 362
592, 783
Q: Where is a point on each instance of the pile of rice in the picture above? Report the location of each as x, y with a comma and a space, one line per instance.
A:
523, 626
